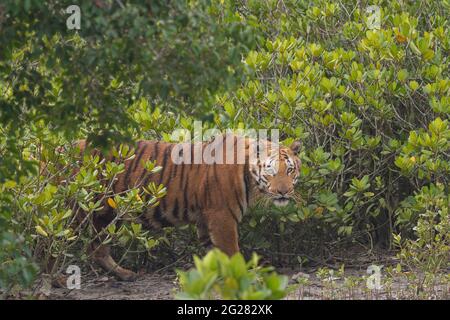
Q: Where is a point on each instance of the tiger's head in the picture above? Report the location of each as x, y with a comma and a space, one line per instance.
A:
276, 172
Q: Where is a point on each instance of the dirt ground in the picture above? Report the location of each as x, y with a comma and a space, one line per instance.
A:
147, 287
318, 281
163, 286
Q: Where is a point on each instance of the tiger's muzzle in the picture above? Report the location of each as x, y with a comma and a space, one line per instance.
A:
281, 196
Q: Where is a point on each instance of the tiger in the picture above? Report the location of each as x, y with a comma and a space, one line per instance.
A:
212, 196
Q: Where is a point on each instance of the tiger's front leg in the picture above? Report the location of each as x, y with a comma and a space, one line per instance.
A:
223, 231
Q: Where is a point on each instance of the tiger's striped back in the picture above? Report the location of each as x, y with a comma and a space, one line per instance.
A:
192, 189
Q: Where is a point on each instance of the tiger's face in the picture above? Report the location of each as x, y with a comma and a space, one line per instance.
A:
277, 174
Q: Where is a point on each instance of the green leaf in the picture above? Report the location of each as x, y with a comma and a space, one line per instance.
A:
402, 75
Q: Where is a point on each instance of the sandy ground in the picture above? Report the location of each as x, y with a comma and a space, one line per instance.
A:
304, 282
146, 287
163, 286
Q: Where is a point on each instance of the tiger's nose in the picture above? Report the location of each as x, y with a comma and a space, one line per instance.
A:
283, 190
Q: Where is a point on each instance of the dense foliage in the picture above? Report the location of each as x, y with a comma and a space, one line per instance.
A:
371, 104
369, 98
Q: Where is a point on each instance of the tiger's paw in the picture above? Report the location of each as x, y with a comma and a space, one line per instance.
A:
126, 275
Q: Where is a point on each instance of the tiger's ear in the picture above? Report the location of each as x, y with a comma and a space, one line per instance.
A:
296, 146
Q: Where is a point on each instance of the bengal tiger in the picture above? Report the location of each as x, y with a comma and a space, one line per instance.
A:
213, 196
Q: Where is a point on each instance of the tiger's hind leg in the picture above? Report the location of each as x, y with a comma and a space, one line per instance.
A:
102, 256
100, 252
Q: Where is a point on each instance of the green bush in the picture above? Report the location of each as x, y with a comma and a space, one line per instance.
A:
219, 276
371, 105
55, 209
429, 251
